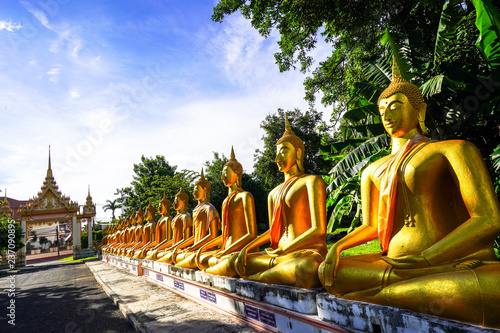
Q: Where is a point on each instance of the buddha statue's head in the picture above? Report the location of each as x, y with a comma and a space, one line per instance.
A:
402, 106
232, 171
150, 212
164, 205
289, 150
139, 216
181, 200
202, 188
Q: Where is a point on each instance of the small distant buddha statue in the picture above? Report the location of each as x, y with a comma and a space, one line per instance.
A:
163, 232
206, 224
110, 237
123, 236
239, 226
297, 215
434, 209
148, 233
136, 234
181, 226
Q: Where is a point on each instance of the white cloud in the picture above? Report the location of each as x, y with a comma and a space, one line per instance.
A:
9, 26
54, 74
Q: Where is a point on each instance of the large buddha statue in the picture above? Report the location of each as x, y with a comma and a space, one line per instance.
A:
433, 207
239, 226
297, 218
163, 232
206, 225
148, 233
181, 225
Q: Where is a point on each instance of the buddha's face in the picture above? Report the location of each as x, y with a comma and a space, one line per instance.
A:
229, 177
286, 156
178, 203
398, 115
198, 192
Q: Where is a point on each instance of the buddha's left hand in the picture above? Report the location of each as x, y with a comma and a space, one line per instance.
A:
274, 253
406, 262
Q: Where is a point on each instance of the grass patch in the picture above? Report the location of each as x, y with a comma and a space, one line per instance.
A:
70, 259
366, 248
370, 247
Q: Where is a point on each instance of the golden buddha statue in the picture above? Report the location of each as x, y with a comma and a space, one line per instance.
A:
135, 234
297, 216
121, 236
206, 225
109, 238
433, 207
181, 225
148, 233
239, 226
163, 232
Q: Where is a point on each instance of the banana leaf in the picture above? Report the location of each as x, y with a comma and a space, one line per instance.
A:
488, 23
448, 24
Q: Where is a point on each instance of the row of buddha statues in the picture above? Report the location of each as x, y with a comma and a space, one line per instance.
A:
431, 204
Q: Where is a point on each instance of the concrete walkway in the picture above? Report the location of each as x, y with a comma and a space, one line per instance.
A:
151, 308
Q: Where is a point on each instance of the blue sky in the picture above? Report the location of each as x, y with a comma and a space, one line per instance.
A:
104, 82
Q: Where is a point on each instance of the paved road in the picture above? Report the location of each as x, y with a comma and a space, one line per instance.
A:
58, 297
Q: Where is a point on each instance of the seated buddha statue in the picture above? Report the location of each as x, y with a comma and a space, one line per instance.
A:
181, 225
297, 215
206, 225
123, 235
434, 209
135, 232
148, 233
239, 226
163, 231
110, 237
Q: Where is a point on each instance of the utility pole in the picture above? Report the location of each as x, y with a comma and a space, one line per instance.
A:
57, 238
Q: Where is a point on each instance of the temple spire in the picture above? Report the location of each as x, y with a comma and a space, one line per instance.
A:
49, 169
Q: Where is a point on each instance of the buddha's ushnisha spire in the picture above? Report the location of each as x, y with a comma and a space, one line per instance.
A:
395, 69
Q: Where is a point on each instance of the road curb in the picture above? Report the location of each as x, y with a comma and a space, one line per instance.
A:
131, 317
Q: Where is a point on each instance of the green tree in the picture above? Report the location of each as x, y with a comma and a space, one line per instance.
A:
308, 126
112, 205
43, 241
152, 177
7, 224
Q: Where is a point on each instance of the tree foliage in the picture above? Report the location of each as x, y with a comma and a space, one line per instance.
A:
7, 224
152, 177
111, 205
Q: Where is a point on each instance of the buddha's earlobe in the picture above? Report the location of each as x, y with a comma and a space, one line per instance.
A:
421, 118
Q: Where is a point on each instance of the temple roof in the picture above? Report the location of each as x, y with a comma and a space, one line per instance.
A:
49, 199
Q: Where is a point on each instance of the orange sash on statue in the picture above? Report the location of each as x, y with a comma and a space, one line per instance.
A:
279, 205
225, 217
388, 175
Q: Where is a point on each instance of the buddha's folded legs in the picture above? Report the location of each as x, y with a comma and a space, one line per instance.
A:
299, 268
222, 266
471, 295
188, 261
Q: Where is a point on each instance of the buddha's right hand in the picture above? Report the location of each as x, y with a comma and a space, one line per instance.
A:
241, 263
197, 256
330, 266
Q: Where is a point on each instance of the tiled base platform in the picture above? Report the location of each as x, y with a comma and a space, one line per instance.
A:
275, 308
